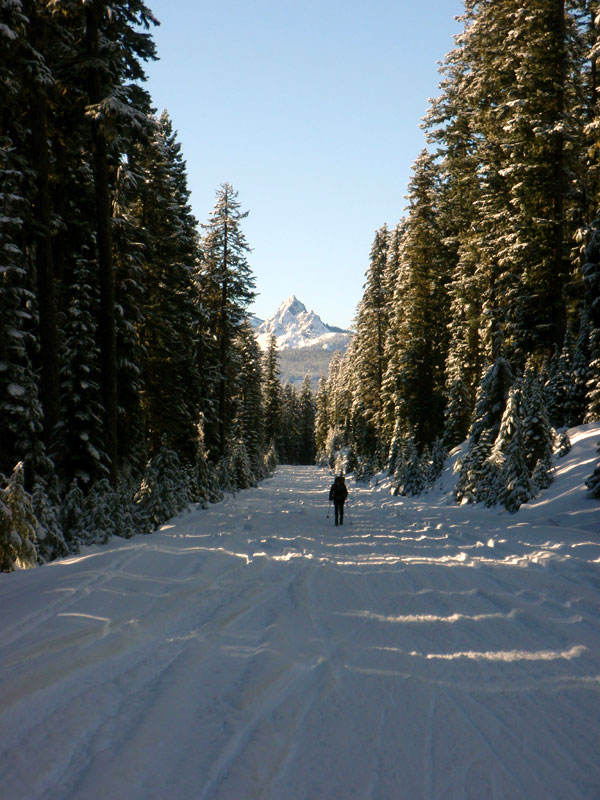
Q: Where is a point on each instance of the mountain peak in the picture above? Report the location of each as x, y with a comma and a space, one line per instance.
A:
293, 326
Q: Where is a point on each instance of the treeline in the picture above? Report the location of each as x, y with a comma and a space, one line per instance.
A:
289, 414
130, 380
480, 317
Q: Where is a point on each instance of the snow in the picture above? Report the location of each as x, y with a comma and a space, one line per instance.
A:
253, 650
293, 326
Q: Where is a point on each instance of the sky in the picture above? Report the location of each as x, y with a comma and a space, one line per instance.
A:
311, 109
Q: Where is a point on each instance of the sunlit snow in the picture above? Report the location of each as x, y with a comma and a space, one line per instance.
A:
253, 650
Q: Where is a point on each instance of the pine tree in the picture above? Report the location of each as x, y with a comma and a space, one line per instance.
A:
415, 369
250, 412
113, 48
227, 286
372, 322
409, 475
537, 433
164, 490
21, 414
50, 537
78, 444
593, 482
166, 332
489, 410
591, 299
558, 385
18, 525
321, 417
272, 397
306, 424
518, 487
491, 399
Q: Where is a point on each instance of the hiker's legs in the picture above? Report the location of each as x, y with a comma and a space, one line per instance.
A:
341, 513
337, 512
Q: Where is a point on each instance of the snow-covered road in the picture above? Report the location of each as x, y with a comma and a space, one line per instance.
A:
253, 650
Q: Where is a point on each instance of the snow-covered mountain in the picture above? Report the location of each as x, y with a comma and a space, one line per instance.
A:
293, 327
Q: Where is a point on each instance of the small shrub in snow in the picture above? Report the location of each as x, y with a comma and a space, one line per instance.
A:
593, 482
18, 525
270, 460
51, 540
70, 516
517, 486
164, 491
563, 444
542, 473
238, 466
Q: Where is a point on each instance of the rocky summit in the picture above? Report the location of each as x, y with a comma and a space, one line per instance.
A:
294, 326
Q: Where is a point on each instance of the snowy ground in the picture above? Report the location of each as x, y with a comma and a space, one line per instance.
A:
253, 650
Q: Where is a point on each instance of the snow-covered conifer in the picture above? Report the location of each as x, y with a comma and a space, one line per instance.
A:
536, 431
439, 453
226, 288
410, 476
474, 469
238, 466
272, 396
591, 287
558, 385
164, 490
78, 443
593, 482
372, 322
51, 540
563, 444
580, 375
517, 486
306, 423
18, 524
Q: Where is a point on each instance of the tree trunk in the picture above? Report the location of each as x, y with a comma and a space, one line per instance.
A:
560, 262
106, 320
46, 290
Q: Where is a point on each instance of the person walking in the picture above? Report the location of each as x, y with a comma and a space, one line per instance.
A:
338, 494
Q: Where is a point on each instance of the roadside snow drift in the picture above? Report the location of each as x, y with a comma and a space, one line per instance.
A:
254, 650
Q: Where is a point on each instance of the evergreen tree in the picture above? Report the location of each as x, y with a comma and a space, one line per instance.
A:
306, 424
415, 370
591, 299
491, 399
227, 285
18, 525
78, 444
536, 431
272, 397
170, 398
250, 412
112, 47
21, 415
372, 322
593, 482
558, 384
164, 490
517, 486
489, 410
321, 417
50, 537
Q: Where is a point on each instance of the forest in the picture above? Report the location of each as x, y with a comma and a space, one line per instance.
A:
130, 381
480, 319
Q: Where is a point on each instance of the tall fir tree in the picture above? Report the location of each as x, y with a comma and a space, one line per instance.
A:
227, 289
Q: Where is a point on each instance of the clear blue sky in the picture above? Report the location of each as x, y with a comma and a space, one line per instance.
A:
311, 110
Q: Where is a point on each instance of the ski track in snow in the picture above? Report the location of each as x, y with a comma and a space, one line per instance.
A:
253, 651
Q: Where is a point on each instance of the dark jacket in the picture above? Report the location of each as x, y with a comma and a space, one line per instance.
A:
338, 492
